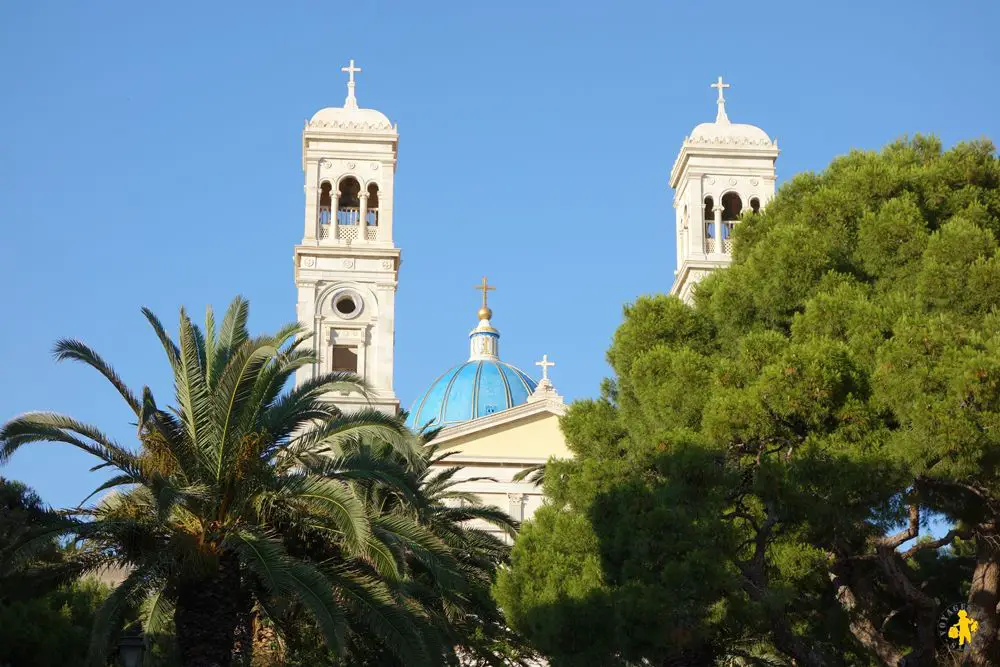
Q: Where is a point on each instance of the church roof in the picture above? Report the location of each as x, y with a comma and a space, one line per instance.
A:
481, 386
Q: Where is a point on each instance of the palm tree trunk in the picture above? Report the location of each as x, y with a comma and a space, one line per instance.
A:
206, 616
243, 644
268, 649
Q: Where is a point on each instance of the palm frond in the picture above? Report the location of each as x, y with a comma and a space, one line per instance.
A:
210, 346
156, 612
424, 545
66, 348
533, 474
232, 394
196, 409
382, 615
333, 501
171, 349
314, 589
234, 329
368, 424
264, 556
52, 427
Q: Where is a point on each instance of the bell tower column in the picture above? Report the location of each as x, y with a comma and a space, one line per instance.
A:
347, 277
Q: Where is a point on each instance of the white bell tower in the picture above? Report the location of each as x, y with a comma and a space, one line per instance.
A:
347, 265
723, 169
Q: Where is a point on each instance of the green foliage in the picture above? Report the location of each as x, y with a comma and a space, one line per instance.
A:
746, 475
45, 616
51, 630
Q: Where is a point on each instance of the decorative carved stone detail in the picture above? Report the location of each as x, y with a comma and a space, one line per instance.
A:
374, 166
350, 125
733, 141
387, 263
349, 263
351, 165
711, 180
754, 181
732, 181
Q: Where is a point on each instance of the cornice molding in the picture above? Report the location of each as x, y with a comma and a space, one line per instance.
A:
358, 251
500, 461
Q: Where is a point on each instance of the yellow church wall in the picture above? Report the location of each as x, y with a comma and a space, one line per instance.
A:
537, 437
496, 499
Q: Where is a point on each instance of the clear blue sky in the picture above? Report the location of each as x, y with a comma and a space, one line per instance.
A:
151, 156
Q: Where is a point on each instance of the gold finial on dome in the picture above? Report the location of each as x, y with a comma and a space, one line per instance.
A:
485, 313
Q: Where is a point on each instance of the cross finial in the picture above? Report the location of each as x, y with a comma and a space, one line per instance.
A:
351, 102
485, 313
545, 363
721, 116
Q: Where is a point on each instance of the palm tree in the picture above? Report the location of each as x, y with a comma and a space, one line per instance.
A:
200, 510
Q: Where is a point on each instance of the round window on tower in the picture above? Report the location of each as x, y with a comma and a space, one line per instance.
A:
347, 304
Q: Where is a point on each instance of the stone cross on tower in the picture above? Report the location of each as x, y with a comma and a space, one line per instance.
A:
545, 363
351, 102
721, 116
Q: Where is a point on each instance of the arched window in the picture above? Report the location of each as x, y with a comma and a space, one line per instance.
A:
709, 224
371, 219
732, 207
349, 204
325, 203
755, 205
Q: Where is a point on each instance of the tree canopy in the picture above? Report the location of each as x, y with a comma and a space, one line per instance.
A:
755, 482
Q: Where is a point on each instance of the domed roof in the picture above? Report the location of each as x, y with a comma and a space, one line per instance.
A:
350, 119
469, 390
349, 116
721, 132
481, 386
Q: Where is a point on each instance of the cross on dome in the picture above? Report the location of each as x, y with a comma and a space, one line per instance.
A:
545, 363
721, 116
485, 313
351, 102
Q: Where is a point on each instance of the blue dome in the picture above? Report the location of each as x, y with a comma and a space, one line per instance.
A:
473, 389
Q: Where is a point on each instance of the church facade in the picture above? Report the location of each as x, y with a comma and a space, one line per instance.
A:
496, 419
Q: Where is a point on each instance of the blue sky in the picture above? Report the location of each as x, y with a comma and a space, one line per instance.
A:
151, 156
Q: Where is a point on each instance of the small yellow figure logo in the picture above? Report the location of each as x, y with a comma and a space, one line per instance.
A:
963, 629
